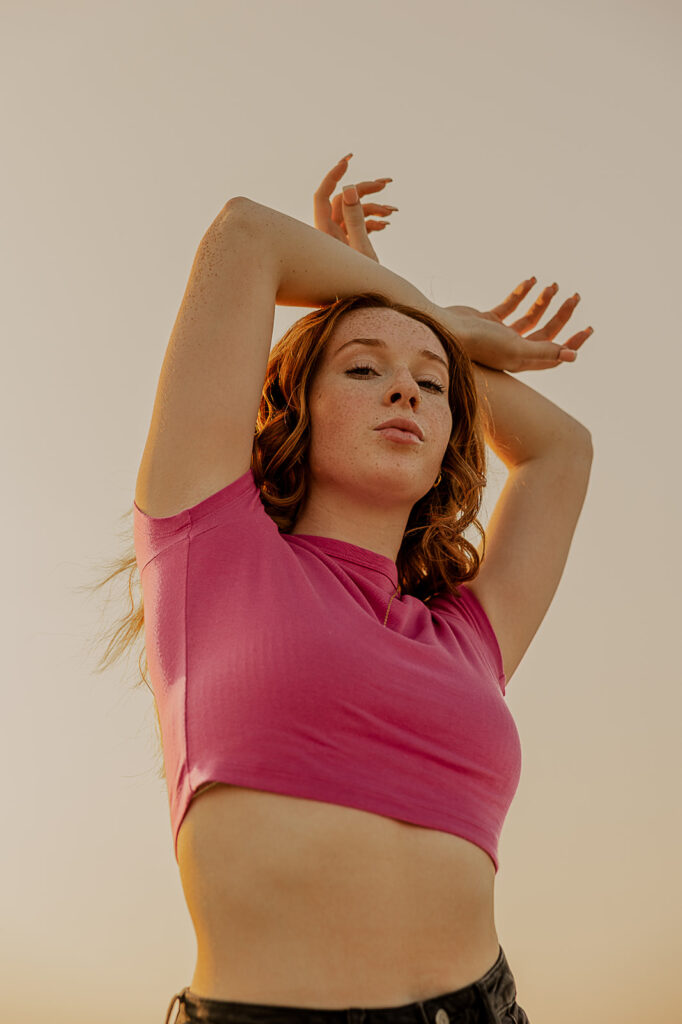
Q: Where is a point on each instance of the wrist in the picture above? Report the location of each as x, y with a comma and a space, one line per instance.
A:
461, 321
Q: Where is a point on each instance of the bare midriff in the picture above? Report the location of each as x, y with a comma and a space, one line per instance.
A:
301, 903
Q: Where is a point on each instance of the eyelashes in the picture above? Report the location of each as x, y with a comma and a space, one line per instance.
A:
427, 382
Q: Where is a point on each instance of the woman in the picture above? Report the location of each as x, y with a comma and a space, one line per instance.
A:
329, 654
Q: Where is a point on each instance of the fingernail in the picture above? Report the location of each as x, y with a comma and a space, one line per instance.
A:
350, 194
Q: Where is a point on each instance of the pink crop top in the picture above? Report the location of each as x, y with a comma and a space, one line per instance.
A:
272, 669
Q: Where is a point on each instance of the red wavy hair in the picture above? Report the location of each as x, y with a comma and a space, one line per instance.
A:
434, 556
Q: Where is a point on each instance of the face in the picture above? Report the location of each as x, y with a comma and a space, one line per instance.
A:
347, 453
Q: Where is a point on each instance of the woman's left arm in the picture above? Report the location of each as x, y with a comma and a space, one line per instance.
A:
520, 423
529, 534
549, 457
548, 453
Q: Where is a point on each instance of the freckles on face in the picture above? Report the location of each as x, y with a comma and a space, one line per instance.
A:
379, 364
345, 410
337, 418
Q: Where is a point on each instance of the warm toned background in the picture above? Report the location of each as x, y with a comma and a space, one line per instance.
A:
526, 138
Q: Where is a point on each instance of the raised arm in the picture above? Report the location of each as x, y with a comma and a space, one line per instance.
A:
313, 269
250, 258
549, 457
310, 268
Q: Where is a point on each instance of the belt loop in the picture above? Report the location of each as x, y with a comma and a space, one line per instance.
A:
179, 996
420, 1004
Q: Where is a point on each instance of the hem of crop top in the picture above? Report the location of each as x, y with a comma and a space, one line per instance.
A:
367, 799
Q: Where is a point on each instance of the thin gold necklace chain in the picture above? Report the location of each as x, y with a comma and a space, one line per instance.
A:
389, 604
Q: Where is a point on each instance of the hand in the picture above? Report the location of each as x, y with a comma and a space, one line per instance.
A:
492, 343
346, 221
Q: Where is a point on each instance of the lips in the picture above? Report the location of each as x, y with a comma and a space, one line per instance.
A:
403, 424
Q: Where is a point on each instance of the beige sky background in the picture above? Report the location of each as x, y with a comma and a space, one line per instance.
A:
527, 138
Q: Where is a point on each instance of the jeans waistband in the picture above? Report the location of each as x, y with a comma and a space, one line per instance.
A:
484, 1001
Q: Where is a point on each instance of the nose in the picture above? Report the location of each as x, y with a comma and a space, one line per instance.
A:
406, 387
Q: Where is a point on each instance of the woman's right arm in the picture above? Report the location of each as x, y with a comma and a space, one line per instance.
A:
250, 259
311, 268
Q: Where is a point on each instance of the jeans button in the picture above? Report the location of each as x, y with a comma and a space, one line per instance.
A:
442, 1017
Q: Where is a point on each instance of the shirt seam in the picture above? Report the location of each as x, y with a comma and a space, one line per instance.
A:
185, 538
365, 563
158, 524
495, 662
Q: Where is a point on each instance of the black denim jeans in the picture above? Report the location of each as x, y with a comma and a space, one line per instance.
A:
490, 1000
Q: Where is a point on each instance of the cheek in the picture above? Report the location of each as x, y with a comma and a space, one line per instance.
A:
335, 413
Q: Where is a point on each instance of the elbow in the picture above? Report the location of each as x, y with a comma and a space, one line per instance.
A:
580, 438
238, 203
575, 444
589, 447
582, 446
237, 211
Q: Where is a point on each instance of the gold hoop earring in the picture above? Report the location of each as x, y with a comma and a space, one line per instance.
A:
438, 480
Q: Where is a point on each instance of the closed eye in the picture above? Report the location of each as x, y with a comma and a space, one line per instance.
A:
427, 382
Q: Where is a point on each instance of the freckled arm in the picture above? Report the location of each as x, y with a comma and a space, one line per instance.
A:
522, 423
313, 269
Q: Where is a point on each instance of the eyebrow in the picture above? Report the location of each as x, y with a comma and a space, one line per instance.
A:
379, 343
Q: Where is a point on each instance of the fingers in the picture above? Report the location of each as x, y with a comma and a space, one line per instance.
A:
328, 212
558, 321
332, 178
366, 187
323, 212
356, 229
368, 209
553, 326
544, 355
536, 310
511, 302
546, 359
376, 208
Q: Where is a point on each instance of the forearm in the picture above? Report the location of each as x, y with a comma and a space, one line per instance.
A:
523, 424
313, 269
